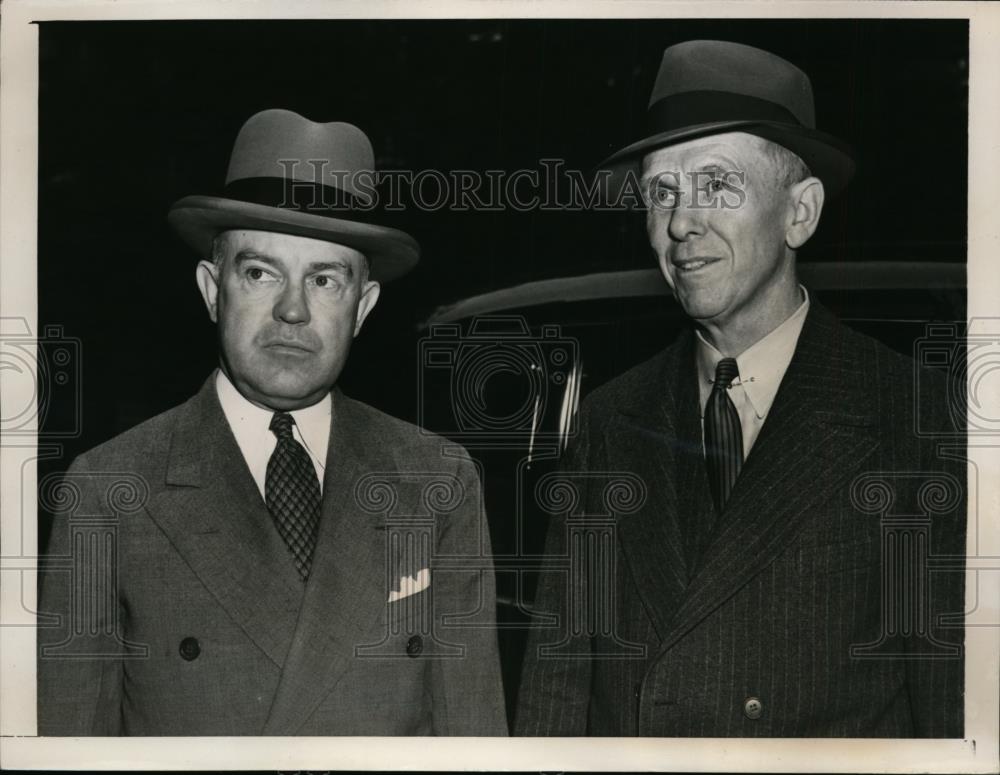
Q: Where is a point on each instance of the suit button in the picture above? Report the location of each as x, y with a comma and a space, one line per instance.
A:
752, 708
190, 649
414, 646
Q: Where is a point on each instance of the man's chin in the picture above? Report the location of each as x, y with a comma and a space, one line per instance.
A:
281, 396
701, 310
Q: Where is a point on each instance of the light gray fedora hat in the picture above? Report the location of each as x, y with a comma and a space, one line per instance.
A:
290, 175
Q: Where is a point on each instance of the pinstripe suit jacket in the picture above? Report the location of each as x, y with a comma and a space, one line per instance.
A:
785, 615
172, 606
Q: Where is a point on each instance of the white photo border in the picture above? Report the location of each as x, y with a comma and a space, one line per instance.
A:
20, 748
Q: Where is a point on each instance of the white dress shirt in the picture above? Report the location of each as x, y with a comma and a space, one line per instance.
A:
762, 367
250, 425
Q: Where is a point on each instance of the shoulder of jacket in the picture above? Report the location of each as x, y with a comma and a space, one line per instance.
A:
627, 385
407, 438
137, 446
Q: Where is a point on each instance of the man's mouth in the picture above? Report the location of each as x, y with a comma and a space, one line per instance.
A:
689, 265
292, 348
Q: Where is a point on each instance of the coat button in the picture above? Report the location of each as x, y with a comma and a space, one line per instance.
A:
752, 708
414, 646
190, 649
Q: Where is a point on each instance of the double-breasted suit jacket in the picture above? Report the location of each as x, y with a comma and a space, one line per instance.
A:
825, 600
173, 607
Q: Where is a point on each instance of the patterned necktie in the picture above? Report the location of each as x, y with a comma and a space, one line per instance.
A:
723, 434
292, 493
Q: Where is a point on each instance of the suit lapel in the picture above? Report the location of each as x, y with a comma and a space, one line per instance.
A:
820, 419
643, 438
347, 585
212, 512
697, 514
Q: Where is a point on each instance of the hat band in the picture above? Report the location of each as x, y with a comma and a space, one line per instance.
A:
299, 195
686, 109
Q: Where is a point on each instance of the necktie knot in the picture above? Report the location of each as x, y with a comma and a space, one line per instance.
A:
726, 371
281, 425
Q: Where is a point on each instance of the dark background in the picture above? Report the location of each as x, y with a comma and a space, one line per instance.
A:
135, 115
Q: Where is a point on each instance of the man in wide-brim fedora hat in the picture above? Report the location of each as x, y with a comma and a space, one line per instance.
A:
761, 586
267, 577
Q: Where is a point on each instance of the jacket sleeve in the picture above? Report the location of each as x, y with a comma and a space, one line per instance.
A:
935, 666
79, 618
554, 694
468, 694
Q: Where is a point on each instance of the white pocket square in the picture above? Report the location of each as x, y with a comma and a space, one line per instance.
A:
410, 585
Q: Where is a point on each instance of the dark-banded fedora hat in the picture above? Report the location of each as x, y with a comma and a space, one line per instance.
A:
707, 87
290, 175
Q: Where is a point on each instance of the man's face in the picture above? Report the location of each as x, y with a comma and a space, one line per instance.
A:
726, 260
287, 308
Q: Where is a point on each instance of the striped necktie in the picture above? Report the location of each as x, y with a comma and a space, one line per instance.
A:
723, 435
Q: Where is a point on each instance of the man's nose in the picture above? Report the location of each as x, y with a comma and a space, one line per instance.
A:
685, 221
292, 306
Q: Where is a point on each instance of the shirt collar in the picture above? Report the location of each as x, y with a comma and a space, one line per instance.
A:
250, 422
762, 365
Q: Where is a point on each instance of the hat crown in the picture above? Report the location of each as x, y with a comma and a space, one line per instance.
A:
734, 68
290, 175
709, 87
283, 145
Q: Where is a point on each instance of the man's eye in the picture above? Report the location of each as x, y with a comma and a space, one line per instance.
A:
256, 274
326, 281
664, 197
715, 185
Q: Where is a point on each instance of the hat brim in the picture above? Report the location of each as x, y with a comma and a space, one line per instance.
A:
828, 158
198, 220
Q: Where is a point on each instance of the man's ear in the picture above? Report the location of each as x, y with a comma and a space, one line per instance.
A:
369, 296
807, 197
207, 276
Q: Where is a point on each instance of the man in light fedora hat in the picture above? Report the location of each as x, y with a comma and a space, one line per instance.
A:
775, 580
273, 568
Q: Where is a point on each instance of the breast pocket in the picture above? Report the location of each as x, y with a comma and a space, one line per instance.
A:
408, 613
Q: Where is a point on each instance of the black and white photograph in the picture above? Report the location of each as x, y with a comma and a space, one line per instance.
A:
534, 379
